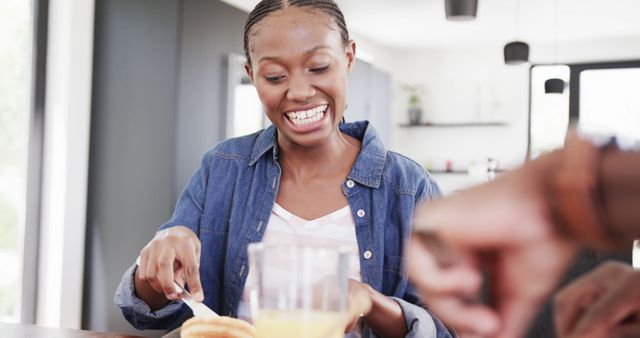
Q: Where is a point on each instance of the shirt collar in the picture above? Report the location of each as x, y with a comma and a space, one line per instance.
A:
266, 140
370, 162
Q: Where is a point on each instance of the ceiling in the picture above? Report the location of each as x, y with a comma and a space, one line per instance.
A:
422, 24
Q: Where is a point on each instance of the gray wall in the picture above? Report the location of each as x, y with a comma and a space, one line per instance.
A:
157, 107
211, 30
370, 98
132, 144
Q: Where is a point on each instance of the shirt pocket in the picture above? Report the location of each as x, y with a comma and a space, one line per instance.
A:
394, 279
213, 242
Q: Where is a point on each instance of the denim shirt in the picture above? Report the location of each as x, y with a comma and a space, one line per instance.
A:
228, 202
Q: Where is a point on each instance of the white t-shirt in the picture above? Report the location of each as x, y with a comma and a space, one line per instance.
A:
334, 229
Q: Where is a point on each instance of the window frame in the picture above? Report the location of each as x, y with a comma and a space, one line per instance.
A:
29, 275
575, 70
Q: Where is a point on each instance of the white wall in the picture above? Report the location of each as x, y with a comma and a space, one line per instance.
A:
590, 51
372, 52
473, 85
462, 86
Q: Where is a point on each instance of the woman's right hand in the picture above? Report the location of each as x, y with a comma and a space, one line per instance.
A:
172, 254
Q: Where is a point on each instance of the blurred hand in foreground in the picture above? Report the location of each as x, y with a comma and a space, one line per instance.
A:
503, 229
605, 303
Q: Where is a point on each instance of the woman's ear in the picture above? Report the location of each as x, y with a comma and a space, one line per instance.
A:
351, 54
249, 70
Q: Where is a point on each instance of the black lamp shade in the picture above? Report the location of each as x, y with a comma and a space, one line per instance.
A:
516, 52
554, 86
461, 10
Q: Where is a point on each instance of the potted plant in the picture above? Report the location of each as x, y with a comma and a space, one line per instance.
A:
414, 109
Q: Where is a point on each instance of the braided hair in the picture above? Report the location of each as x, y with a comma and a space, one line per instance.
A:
265, 7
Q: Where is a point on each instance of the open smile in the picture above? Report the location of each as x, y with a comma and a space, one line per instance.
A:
308, 120
306, 117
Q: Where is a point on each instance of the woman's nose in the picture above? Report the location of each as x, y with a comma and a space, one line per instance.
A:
300, 89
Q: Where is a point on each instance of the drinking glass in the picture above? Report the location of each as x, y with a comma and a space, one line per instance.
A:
298, 291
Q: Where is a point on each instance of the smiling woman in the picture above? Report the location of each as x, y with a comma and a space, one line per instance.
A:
308, 179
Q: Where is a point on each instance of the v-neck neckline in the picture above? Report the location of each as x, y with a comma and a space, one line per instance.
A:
285, 214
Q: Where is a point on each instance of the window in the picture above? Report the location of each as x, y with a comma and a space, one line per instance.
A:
609, 103
245, 114
16, 22
549, 115
601, 97
248, 114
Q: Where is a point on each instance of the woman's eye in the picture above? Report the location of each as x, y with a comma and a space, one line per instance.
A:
274, 79
319, 69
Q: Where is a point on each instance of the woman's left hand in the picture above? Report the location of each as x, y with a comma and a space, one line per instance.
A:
360, 303
219, 327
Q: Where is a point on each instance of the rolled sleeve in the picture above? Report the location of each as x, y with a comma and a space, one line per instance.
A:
138, 313
418, 320
420, 323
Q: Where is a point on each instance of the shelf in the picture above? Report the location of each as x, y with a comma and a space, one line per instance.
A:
458, 172
455, 124
439, 172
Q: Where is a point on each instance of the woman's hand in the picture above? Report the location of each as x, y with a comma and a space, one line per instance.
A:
219, 327
359, 305
173, 254
381, 313
604, 303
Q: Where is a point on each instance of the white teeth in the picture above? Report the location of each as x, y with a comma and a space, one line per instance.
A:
307, 116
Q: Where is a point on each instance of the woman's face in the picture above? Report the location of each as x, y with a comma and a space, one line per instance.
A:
299, 66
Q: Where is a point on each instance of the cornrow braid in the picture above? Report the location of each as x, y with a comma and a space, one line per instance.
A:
262, 9
265, 7
330, 8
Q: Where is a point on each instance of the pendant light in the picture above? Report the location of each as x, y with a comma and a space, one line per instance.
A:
516, 52
461, 10
554, 85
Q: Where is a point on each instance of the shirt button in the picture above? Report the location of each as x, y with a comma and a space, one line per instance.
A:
360, 213
350, 184
367, 254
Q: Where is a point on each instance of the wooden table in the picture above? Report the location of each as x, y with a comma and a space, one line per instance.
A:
24, 330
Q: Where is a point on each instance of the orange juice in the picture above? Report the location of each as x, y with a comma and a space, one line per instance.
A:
299, 324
